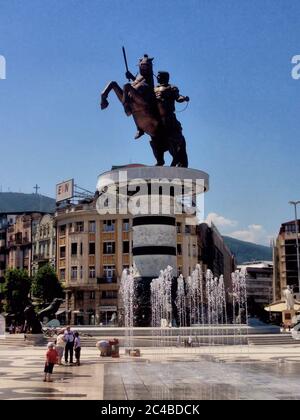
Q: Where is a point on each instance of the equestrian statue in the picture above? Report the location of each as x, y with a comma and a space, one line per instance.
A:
153, 110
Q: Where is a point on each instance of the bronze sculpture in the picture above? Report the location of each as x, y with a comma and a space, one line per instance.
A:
32, 323
166, 96
50, 311
152, 110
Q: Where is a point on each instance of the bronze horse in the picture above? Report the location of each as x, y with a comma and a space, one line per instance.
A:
138, 99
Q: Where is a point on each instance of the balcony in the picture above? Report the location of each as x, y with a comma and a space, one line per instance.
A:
40, 257
107, 280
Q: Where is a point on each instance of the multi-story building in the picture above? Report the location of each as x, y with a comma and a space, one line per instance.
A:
43, 242
19, 241
259, 280
285, 260
214, 253
11, 206
93, 250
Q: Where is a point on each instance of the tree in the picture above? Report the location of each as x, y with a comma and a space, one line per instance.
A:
16, 291
45, 285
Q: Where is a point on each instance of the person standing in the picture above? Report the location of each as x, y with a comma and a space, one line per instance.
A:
60, 346
77, 348
51, 359
69, 339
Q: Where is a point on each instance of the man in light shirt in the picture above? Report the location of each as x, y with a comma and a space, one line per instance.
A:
69, 339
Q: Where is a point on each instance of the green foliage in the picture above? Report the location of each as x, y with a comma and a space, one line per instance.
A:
16, 290
45, 285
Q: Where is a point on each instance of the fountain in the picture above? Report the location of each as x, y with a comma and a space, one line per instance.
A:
196, 306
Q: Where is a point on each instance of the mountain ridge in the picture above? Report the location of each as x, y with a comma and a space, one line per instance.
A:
247, 251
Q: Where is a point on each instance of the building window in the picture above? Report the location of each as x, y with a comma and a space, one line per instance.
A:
179, 249
62, 252
187, 229
126, 225
178, 227
92, 272
74, 273
79, 226
62, 229
92, 226
108, 225
92, 295
108, 247
109, 294
126, 247
81, 248
79, 295
194, 251
62, 274
74, 249
109, 271
81, 272
92, 248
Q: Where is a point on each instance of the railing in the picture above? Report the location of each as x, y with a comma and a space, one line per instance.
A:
107, 280
40, 257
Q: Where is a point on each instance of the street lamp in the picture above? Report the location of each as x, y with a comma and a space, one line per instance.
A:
295, 203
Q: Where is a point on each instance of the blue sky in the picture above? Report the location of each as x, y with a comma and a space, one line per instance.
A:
233, 58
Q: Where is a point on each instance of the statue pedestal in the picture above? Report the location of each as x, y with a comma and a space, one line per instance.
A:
153, 196
288, 317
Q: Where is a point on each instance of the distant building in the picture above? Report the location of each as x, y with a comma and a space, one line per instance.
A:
285, 260
19, 241
259, 280
13, 206
43, 242
214, 253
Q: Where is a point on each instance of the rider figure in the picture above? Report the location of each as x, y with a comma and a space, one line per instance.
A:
166, 95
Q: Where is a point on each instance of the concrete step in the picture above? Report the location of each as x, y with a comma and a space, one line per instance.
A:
274, 339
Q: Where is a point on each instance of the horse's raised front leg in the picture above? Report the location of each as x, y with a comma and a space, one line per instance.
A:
126, 98
104, 94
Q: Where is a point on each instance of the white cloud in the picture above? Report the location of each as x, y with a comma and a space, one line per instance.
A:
255, 233
220, 221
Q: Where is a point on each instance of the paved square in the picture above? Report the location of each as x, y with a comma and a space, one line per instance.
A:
260, 372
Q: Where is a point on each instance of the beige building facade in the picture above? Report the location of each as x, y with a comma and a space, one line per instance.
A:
285, 260
19, 241
43, 242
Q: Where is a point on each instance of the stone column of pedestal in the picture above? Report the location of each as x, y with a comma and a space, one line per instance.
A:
153, 249
154, 244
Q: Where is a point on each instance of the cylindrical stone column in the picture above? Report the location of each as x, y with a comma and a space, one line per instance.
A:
154, 244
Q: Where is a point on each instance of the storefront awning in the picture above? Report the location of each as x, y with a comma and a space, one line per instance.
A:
281, 306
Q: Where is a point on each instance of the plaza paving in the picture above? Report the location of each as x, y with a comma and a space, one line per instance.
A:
232, 372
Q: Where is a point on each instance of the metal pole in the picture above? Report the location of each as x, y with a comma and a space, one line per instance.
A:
295, 203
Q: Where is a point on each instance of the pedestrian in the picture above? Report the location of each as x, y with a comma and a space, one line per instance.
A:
69, 339
60, 346
77, 347
51, 359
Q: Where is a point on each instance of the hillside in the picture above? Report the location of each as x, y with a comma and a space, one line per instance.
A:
18, 203
247, 251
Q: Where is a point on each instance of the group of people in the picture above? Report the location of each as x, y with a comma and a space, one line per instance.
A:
67, 343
